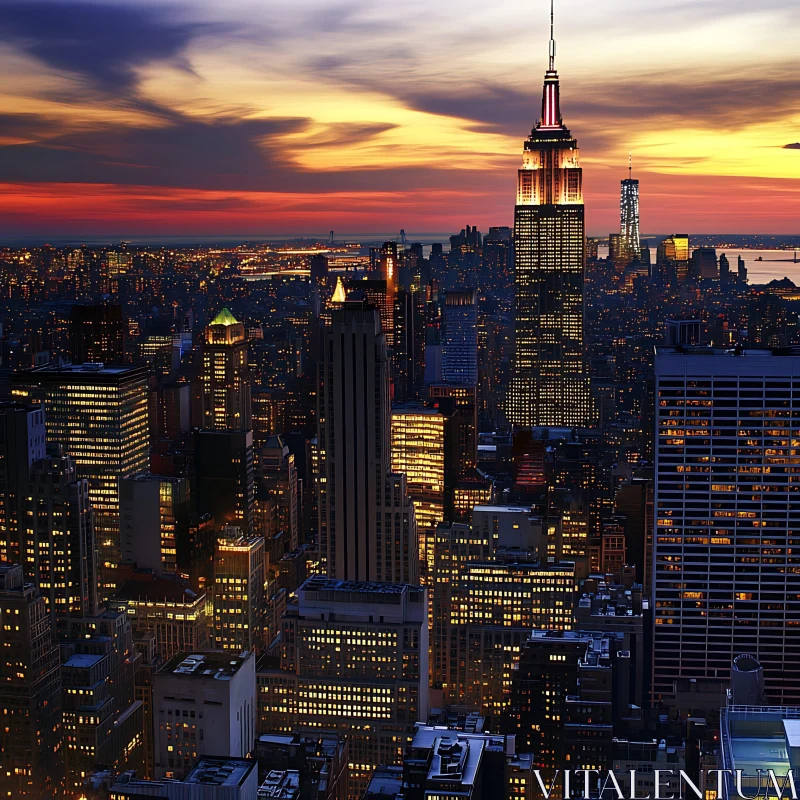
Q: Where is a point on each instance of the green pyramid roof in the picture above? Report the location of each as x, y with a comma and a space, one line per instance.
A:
225, 318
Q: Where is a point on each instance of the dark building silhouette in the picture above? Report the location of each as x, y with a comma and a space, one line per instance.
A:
97, 333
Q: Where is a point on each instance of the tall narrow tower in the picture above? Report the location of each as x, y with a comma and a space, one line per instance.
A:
629, 216
550, 386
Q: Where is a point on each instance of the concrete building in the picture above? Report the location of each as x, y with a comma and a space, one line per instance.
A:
152, 510
202, 703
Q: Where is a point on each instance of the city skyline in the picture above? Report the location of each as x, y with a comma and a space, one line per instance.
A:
138, 118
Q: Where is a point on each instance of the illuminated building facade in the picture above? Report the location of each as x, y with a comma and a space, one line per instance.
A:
99, 415
629, 218
460, 337
102, 720
152, 510
225, 376
30, 687
726, 557
169, 610
239, 592
417, 441
367, 525
22, 442
354, 660
203, 702
59, 543
549, 386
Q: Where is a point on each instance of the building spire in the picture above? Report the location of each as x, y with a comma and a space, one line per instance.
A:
630, 164
551, 106
552, 39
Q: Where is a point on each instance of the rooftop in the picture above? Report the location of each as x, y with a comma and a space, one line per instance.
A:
280, 785
217, 666
82, 660
220, 771
157, 590
224, 318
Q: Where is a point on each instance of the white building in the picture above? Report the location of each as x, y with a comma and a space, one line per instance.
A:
203, 704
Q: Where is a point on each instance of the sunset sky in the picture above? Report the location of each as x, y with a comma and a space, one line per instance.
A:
264, 117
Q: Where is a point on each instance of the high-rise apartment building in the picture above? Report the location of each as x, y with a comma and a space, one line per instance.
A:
203, 703
549, 386
460, 337
354, 660
225, 376
153, 509
97, 334
629, 218
31, 750
58, 546
22, 442
726, 563
367, 525
239, 592
99, 415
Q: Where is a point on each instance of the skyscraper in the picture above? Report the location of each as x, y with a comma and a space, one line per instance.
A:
367, 525
460, 339
226, 381
727, 529
629, 217
99, 415
30, 689
549, 385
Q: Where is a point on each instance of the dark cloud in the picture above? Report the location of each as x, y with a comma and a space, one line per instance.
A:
217, 154
792, 146
103, 43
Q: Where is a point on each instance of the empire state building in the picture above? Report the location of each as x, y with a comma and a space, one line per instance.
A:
550, 386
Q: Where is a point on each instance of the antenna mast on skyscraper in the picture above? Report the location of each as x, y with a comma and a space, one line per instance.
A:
630, 164
552, 40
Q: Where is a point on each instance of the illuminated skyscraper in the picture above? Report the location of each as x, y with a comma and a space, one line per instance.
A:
726, 557
226, 381
30, 689
549, 385
418, 435
99, 415
629, 217
460, 341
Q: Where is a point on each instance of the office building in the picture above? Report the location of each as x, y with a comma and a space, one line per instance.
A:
354, 661
460, 337
225, 376
565, 693
629, 218
549, 386
726, 568
239, 592
367, 525
166, 609
278, 475
418, 452
704, 265
203, 703
152, 510
30, 692
102, 719
58, 547
97, 334
22, 442
99, 415
224, 484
